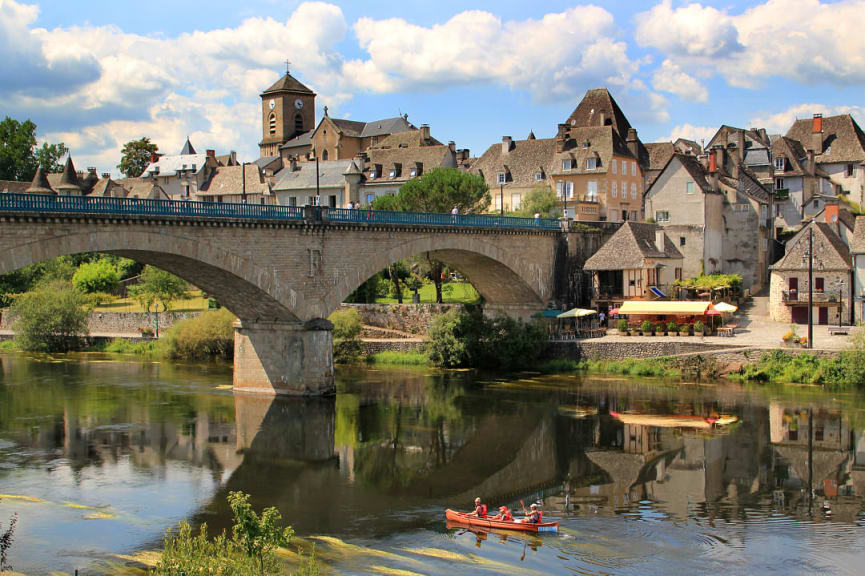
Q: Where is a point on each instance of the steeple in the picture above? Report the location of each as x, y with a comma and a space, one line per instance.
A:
40, 183
69, 185
531, 135
188, 150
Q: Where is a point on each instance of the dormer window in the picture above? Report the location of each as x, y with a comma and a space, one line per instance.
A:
779, 164
417, 170
372, 173
501, 178
414, 172
393, 173
539, 176
591, 163
567, 164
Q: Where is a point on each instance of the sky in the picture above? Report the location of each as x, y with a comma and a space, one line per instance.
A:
95, 74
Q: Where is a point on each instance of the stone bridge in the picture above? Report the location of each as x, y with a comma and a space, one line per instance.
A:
281, 276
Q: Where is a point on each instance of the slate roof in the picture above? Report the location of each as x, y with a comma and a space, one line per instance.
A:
386, 126
349, 127
40, 184
727, 135
406, 139
687, 146
628, 248
136, 187
603, 142
107, 187
524, 160
227, 180
750, 184
841, 133
68, 178
304, 139
857, 240
757, 157
429, 157
331, 175
659, 154
227, 160
169, 165
287, 83
14, 187
794, 154
596, 101
187, 149
837, 259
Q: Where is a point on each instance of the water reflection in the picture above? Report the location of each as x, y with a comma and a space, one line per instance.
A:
640, 475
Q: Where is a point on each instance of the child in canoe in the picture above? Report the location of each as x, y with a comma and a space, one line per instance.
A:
503, 515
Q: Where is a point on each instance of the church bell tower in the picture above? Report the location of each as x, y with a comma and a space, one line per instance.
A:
287, 110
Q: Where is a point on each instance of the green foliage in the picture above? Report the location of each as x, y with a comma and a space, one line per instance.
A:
671, 326
9, 346
127, 268
157, 287
663, 367
622, 325
346, 323
468, 338
122, 346
51, 318
259, 536
540, 200
208, 335
387, 202
367, 293
645, 327
559, 366
97, 276
713, 282
684, 328
19, 156
399, 358
440, 189
699, 327
136, 156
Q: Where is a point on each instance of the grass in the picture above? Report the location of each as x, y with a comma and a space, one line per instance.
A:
122, 346
9, 346
193, 302
452, 293
399, 358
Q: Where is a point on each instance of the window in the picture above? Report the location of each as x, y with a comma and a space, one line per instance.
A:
393, 173
272, 121
186, 191
819, 284
828, 150
740, 207
261, 200
298, 123
331, 201
779, 183
779, 164
591, 163
613, 165
633, 168
219, 198
501, 178
515, 201
372, 173
310, 201
849, 170
539, 176
370, 198
633, 190
677, 273
567, 164
662, 216
615, 191
624, 215
633, 215
689, 187
414, 172
497, 203
682, 240
592, 191
324, 155
565, 189
292, 201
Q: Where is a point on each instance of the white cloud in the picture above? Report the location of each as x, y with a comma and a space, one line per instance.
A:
691, 132
807, 41
670, 78
780, 122
554, 57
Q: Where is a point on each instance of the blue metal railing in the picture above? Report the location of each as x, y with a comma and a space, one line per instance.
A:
47, 203
439, 219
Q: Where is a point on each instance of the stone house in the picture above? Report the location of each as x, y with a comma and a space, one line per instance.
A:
718, 216
857, 252
237, 183
799, 186
838, 147
386, 169
338, 182
639, 256
832, 274
514, 167
181, 176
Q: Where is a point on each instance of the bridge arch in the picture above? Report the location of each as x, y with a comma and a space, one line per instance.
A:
224, 275
501, 276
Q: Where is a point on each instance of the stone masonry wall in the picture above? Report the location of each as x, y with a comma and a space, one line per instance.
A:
116, 322
622, 350
412, 318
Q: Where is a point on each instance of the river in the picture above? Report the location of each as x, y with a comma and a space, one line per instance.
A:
99, 456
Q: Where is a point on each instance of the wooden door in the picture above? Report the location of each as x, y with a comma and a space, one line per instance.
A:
823, 315
800, 314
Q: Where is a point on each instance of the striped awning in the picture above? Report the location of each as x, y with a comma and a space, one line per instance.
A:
664, 307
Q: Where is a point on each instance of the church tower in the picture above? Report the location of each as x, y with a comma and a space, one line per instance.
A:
287, 110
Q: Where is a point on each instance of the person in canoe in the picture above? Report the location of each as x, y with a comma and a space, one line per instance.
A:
504, 515
480, 509
533, 517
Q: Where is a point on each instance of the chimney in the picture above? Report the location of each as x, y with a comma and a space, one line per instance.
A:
462, 155
452, 146
601, 118
562, 137
720, 158
659, 239
631, 141
292, 163
812, 166
360, 160
831, 213
233, 157
817, 134
506, 144
740, 144
713, 163
424, 133
106, 175
211, 153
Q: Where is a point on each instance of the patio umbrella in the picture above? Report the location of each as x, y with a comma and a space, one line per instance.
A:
713, 312
614, 311
724, 307
548, 313
576, 313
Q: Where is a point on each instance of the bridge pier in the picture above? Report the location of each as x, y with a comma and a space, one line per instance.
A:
284, 358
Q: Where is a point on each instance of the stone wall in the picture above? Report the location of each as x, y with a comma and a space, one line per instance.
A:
599, 350
412, 318
376, 346
116, 322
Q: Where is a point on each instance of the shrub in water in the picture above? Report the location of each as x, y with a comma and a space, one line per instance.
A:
208, 335
51, 318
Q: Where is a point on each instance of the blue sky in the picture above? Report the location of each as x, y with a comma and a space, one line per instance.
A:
95, 74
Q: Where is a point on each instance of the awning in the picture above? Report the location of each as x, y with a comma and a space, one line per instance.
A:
548, 313
664, 307
576, 313
724, 307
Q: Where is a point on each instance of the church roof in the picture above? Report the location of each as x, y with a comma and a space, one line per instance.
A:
287, 83
187, 150
40, 183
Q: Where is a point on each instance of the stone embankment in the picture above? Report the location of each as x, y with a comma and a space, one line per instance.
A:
119, 323
412, 318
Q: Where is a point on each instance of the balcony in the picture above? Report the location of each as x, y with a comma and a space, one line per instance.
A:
782, 194
795, 297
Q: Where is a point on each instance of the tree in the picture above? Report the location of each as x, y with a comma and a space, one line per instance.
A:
540, 200
440, 190
98, 276
259, 536
157, 287
136, 156
19, 156
51, 318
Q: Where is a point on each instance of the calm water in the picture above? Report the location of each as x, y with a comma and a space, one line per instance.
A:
99, 457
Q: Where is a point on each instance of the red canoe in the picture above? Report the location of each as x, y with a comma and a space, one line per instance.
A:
466, 520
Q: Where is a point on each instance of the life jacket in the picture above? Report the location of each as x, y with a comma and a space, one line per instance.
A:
507, 516
482, 511
540, 516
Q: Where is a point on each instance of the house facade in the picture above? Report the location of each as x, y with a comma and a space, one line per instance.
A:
832, 275
638, 257
857, 253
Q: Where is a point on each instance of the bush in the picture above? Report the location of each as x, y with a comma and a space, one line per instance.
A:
684, 329
646, 327
399, 358
622, 325
208, 335
699, 327
95, 299
470, 339
51, 318
346, 324
659, 328
671, 327
97, 276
